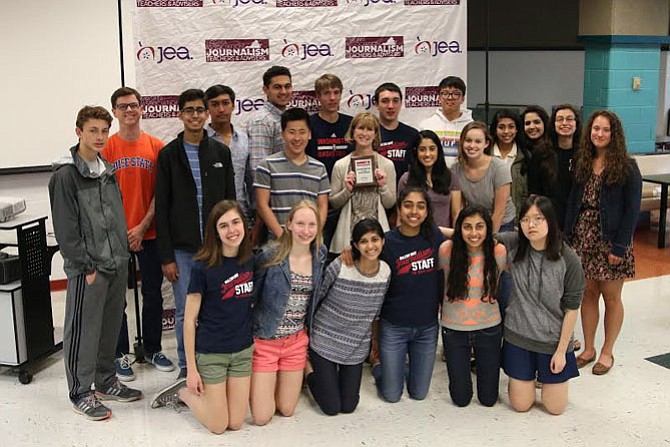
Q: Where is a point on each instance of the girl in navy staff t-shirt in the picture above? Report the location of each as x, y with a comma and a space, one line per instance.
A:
408, 325
218, 325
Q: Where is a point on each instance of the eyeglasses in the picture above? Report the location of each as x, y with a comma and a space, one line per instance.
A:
193, 110
536, 220
451, 95
124, 107
567, 119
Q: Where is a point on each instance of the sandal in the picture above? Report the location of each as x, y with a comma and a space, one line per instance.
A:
582, 362
600, 370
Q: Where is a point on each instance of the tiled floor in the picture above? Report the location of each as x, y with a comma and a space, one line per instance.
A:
628, 407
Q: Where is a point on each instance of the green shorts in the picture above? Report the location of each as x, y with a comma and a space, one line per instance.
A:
216, 368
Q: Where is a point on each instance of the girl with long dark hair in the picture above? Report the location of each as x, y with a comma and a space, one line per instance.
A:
509, 146
551, 167
428, 170
536, 126
408, 321
471, 320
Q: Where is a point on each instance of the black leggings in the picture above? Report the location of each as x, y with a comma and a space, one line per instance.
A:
336, 388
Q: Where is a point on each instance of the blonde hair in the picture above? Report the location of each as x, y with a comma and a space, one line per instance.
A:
365, 120
284, 243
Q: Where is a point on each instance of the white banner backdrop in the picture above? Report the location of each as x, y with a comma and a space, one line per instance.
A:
182, 44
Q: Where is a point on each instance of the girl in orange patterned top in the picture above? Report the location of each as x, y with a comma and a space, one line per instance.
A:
470, 313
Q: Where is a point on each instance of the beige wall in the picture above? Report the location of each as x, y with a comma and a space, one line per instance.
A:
624, 17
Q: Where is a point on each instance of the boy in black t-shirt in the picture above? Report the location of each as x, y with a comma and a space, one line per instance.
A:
328, 129
397, 138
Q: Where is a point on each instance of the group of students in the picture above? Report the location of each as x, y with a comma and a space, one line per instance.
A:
251, 326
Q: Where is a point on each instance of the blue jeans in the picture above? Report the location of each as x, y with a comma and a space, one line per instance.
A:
152, 302
184, 260
457, 348
396, 343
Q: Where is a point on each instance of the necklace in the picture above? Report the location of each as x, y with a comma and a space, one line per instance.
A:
364, 273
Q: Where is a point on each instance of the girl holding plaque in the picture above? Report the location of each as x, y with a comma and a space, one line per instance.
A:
363, 183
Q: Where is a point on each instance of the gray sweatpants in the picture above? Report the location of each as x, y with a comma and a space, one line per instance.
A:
92, 322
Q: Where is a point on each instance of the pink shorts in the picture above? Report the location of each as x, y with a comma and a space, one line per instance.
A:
283, 354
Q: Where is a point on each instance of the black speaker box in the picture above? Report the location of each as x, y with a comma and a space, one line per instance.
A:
10, 268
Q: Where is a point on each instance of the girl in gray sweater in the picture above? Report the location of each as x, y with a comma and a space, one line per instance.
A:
543, 308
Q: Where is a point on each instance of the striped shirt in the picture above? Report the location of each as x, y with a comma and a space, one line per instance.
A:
194, 163
348, 303
470, 313
289, 183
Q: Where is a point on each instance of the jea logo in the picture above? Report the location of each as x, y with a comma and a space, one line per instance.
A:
246, 105
305, 50
359, 100
435, 47
371, 2
160, 54
238, 3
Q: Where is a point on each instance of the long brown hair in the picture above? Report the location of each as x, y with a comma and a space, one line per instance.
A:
462, 159
284, 244
211, 252
617, 160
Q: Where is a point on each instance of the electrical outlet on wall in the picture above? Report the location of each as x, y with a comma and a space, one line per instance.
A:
637, 83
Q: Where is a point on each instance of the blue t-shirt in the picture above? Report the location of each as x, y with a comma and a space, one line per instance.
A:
417, 281
328, 144
395, 144
225, 321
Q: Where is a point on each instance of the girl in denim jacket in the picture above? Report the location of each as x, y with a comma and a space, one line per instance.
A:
287, 276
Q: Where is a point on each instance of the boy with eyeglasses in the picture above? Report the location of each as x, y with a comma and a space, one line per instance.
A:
449, 120
90, 228
194, 173
134, 154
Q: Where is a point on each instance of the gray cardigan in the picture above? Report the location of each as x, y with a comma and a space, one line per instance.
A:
543, 290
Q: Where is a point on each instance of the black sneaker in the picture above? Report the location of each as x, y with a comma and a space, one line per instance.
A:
169, 396
118, 391
182, 373
90, 407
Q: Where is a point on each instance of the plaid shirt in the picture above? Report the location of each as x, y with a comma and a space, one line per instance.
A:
264, 131
239, 151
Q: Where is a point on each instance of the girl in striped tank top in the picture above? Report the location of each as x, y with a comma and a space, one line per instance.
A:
470, 317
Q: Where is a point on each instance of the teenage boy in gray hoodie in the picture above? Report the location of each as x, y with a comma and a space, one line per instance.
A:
90, 228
